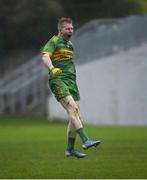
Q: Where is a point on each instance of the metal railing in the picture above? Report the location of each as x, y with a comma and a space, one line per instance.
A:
102, 37
24, 90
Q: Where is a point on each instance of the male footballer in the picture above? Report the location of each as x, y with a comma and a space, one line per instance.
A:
57, 55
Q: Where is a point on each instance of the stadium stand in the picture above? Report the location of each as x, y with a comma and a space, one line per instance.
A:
25, 91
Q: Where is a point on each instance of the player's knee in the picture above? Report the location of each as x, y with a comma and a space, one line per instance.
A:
72, 107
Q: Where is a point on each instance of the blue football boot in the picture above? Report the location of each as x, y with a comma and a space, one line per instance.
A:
74, 153
90, 143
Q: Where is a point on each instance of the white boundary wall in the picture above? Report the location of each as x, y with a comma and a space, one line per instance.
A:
113, 89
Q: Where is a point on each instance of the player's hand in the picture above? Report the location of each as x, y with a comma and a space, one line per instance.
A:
56, 71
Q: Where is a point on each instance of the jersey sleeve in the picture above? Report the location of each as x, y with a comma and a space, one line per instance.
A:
49, 47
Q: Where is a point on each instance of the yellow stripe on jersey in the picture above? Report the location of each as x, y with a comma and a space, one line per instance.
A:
62, 54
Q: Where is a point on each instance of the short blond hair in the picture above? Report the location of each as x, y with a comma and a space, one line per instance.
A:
63, 20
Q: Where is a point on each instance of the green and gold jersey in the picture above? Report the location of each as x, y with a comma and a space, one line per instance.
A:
61, 55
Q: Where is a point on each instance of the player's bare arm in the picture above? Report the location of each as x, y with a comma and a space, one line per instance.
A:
47, 60
48, 63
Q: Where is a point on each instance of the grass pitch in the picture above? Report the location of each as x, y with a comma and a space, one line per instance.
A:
35, 149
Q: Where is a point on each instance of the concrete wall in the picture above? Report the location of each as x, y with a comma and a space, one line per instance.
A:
113, 89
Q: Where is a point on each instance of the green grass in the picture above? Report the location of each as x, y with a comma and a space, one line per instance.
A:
35, 149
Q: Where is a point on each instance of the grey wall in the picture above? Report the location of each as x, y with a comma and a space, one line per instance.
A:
113, 89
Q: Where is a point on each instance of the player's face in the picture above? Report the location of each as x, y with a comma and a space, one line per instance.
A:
66, 30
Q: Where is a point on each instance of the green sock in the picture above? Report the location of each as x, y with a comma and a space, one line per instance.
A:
71, 143
82, 135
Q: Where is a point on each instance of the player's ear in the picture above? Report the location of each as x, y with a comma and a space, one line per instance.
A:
60, 31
